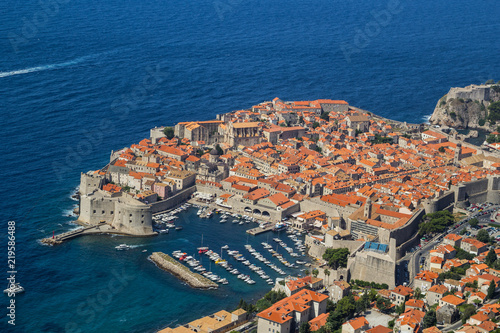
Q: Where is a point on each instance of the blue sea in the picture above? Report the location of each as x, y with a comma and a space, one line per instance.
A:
81, 78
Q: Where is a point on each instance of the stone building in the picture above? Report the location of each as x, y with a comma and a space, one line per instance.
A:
245, 134
207, 131
287, 315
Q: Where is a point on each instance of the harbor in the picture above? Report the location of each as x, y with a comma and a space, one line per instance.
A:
236, 260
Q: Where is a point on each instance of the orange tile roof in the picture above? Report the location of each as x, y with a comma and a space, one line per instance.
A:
357, 323
438, 288
452, 299
318, 322
379, 329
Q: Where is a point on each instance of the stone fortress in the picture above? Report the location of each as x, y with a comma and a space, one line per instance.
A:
474, 92
124, 213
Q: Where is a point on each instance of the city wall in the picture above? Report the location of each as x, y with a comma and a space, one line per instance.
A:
173, 201
317, 250
403, 233
476, 191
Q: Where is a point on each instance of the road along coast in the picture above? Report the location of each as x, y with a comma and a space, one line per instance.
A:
180, 271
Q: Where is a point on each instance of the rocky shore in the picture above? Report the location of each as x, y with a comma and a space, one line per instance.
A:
180, 271
467, 107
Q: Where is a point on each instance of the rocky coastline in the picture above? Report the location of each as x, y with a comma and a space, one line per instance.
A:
467, 107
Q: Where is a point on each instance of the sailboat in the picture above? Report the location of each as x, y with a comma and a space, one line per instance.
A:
202, 249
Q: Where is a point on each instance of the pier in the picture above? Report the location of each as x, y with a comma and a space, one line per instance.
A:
87, 230
169, 264
259, 230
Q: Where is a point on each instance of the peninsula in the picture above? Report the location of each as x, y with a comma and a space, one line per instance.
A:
347, 177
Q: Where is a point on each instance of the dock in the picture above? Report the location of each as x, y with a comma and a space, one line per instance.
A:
259, 230
87, 230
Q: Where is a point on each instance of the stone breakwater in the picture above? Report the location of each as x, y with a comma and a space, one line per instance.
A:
180, 271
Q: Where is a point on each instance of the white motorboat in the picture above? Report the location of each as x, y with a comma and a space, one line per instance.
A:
14, 288
122, 247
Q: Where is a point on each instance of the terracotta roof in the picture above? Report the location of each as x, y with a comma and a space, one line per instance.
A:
380, 329
452, 299
357, 323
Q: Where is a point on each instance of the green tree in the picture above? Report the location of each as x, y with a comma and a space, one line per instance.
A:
436, 222
492, 138
325, 116
383, 304
327, 274
494, 111
219, 149
400, 309
306, 272
441, 149
362, 303
315, 124
336, 257
315, 272
483, 236
418, 294
346, 307
429, 319
491, 289
468, 310
330, 306
305, 327
473, 222
491, 257
169, 132
462, 254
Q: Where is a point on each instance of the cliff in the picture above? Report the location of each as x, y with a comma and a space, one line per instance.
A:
466, 107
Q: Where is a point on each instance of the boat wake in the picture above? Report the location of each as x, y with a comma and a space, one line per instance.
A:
51, 66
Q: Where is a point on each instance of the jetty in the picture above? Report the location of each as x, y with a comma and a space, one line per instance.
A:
169, 264
259, 230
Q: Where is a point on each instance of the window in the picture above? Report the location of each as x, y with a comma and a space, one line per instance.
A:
94, 211
111, 212
103, 212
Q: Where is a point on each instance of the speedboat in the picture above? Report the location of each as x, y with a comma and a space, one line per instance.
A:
122, 247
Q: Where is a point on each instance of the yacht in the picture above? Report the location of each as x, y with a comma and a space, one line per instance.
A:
122, 247
15, 288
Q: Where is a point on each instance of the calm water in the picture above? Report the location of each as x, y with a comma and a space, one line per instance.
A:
96, 75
